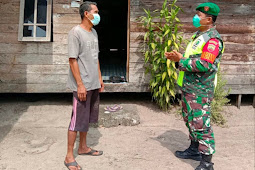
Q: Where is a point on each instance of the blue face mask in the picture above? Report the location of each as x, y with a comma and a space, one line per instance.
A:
96, 19
196, 21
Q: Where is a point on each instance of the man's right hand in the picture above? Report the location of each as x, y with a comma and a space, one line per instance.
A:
82, 92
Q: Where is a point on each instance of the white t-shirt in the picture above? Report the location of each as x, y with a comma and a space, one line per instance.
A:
83, 46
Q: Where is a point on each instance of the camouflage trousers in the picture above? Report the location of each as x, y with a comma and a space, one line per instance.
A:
196, 112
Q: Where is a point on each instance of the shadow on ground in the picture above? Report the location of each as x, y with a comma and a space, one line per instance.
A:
93, 137
175, 140
22, 102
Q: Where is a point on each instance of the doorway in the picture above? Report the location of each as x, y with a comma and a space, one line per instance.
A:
113, 37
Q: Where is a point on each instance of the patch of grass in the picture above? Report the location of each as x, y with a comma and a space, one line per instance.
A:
220, 100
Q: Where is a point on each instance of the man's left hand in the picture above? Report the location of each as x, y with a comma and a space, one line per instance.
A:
173, 56
102, 86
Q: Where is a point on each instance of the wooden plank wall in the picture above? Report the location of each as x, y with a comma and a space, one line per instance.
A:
33, 67
236, 25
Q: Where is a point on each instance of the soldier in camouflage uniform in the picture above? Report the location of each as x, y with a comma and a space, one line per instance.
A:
197, 79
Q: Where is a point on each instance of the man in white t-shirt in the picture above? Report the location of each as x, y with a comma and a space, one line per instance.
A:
84, 80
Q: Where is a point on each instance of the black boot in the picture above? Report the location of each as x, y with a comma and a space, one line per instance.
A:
206, 163
190, 153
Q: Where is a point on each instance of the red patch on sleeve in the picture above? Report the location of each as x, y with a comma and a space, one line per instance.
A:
210, 50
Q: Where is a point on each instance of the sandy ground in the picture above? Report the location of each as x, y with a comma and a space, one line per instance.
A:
33, 136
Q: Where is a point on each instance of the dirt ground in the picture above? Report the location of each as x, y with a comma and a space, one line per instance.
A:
33, 135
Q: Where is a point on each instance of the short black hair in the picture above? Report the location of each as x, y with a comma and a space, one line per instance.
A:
86, 6
212, 16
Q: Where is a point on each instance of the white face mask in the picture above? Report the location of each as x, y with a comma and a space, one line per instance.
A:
96, 19
196, 21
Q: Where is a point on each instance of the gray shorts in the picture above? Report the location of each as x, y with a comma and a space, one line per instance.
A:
84, 112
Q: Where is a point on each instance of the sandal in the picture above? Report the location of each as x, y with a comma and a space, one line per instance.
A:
113, 108
72, 164
117, 107
91, 153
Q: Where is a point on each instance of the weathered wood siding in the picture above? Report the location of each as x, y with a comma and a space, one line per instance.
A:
236, 25
33, 67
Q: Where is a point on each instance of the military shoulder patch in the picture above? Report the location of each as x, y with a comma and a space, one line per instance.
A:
211, 47
208, 57
210, 50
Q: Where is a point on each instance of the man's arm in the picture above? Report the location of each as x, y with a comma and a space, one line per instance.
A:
100, 78
73, 53
81, 90
203, 64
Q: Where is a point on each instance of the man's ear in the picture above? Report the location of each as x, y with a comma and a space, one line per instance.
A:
86, 14
210, 20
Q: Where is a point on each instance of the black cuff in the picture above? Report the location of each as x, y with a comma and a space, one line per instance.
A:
176, 64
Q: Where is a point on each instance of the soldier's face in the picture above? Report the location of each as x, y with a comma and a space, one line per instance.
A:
204, 20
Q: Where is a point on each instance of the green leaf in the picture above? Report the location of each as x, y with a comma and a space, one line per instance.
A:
166, 32
173, 64
168, 63
155, 83
157, 52
158, 61
169, 42
169, 72
153, 45
165, 48
167, 98
163, 60
177, 19
155, 67
146, 11
176, 46
163, 91
155, 57
175, 29
163, 76
161, 39
175, 75
173, 37
167, 85
146, 35
172, 93
156, 94
146, 56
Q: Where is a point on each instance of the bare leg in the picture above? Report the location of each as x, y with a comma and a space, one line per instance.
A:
83, 148
83, 143
69, 156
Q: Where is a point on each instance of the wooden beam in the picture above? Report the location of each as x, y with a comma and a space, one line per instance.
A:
253, 104
238, 101
128, 43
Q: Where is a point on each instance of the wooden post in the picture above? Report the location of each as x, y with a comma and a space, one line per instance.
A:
238, 101
253, 101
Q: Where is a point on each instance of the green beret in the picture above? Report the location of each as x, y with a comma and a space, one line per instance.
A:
209, 8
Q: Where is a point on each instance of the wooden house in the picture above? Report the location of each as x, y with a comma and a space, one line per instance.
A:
33, 43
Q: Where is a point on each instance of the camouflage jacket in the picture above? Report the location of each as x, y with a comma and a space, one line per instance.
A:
201, 65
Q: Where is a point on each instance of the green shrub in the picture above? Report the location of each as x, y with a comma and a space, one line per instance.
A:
220, 99
162, 35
